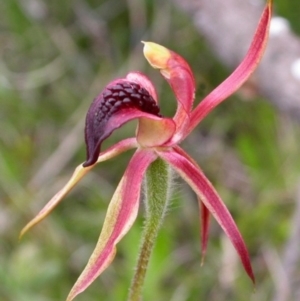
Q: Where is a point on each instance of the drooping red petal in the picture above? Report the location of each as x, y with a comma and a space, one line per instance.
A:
179, 75
204, 212
120, 102
78, 174
120, 216
241, 73
212, 201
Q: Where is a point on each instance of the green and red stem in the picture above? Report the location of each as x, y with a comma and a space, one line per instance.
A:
157, 197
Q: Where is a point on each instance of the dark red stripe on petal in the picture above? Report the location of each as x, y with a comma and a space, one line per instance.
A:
119, 102
204, 228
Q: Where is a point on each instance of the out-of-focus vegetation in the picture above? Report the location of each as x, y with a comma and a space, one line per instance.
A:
55, 56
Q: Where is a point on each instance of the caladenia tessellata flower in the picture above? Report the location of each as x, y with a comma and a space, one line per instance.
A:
157, 155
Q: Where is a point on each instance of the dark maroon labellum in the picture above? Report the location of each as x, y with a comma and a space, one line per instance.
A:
112, 100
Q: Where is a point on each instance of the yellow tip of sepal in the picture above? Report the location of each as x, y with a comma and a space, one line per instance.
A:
156, 55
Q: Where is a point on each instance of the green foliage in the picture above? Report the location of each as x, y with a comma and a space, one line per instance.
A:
55, 57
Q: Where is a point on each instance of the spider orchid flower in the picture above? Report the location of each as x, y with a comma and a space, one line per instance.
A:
157, 137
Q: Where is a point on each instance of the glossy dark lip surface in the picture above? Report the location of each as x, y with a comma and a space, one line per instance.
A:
113, 99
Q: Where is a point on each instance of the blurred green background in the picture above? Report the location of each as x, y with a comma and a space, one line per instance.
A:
55, 57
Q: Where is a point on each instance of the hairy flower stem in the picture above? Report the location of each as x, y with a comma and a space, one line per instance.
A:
158, 180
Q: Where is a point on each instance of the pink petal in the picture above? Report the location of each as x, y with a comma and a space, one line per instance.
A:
205, 191
179, 75
78, 174
119, 102
241, 73
121, 214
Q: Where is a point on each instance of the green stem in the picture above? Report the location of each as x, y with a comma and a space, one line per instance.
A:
158, 180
